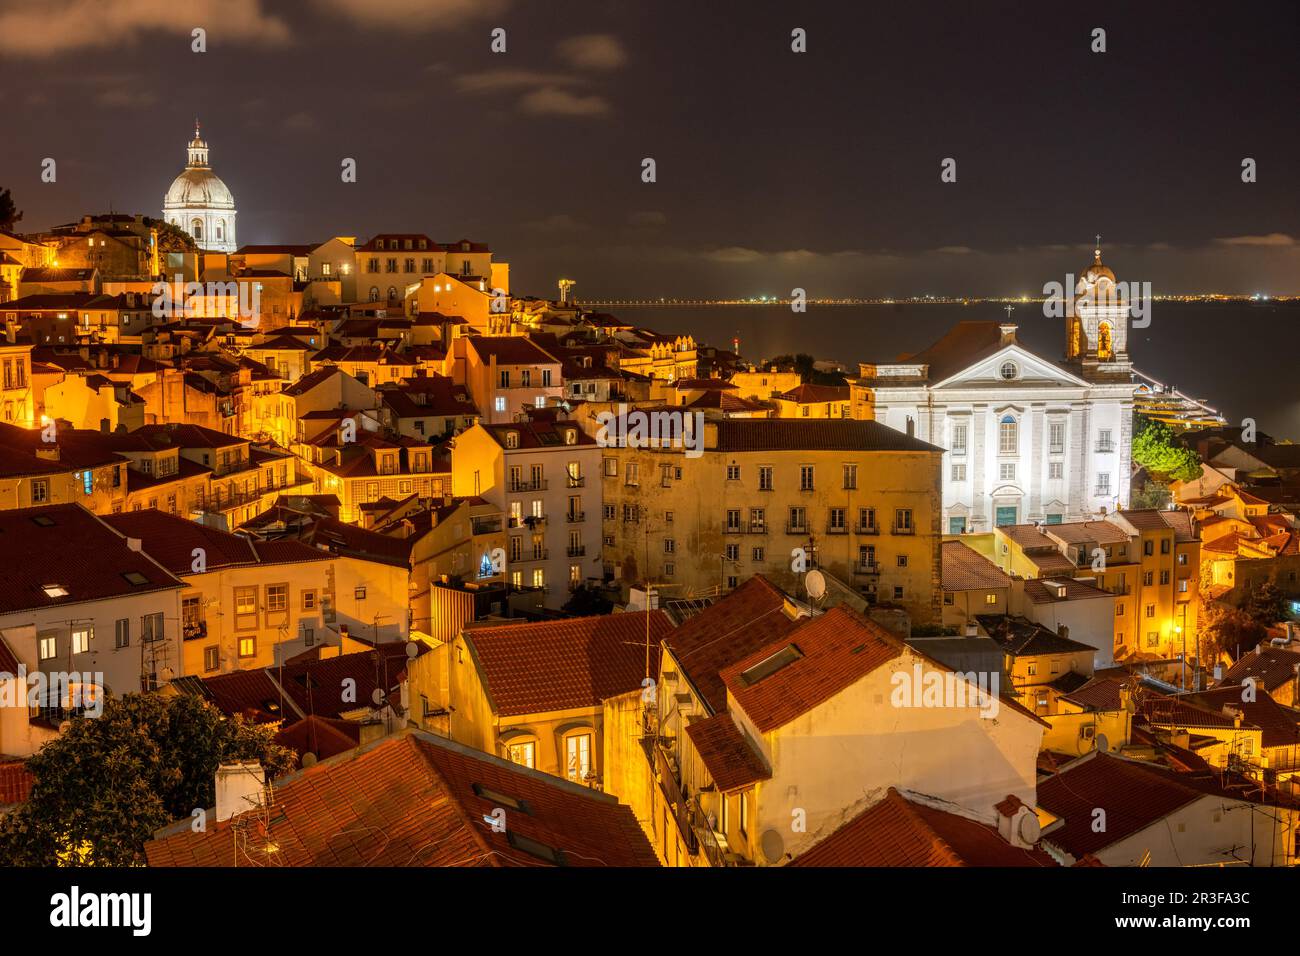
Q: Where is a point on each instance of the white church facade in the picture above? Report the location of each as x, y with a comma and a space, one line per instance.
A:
200, 203
1026, 439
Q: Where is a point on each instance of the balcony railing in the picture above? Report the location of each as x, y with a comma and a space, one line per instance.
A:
1102, 491
796, 527
837, 529
866, 529
538, 485
573, 517
578, 482
1105, 448
734, 529
576, 551
866, 567
902, 529
536, 554
673, 795
757, 527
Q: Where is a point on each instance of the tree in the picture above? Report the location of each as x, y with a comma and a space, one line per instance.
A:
585, 600
1153, 494
10, 214
1155, 450
1227, 630
104, 786
172, 238
1264, 604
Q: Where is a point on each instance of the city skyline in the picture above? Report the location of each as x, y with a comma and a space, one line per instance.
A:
820, 170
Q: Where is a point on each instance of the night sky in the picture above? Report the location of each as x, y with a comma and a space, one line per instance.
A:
775, 169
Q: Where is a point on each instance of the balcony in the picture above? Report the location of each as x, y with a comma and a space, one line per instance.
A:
673, 796
536, 554
194, 629
866, 567
574, 517
734, 529
576, 551
578, 482
1105, 448
866, 529
522, 486
837, 529
757, 527
902, 529
1102, 491
796, 527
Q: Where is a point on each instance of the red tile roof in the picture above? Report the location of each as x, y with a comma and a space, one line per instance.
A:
66, 545
418, 800
748, 618
813, 434
1134, 795
728, 755
836, 649
15, 782
967, 570
1270, 666
563, 664
323, 737
511, 350
898, 832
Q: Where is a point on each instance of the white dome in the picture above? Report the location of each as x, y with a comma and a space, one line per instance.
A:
200, 203
198, 187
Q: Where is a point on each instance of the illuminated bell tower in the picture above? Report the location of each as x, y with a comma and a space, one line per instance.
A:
1096, 329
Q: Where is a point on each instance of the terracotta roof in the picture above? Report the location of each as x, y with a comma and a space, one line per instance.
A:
539, 433
834, 651
806, 394
1100, 693
962, 346
1270, 666
1041, 590
418, 800
899, 832
967, 570
748, 618
67, 546
511, 350
322, 736
813, 434
1134, 795
15, 782
170, 540
566, 663
1277, 723
311, 380
729, 757
1021, 637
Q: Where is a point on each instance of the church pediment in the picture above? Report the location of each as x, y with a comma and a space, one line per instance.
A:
1010, 366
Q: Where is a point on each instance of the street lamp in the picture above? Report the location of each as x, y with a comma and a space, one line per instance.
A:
1178, 632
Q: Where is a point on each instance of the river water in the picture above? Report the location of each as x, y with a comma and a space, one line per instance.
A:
1243, 359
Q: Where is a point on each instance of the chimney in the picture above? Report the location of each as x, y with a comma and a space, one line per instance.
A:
1008, 331
240, 787
135, 544
972, 629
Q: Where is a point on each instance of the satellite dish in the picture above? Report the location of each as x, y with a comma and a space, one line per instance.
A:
1103, 745
308, 760
1029, 828
773, 846
814, 582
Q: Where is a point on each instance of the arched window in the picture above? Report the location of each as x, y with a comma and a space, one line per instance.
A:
374, 293
1008, 436
1009, 370
392, 293
1105, 341
221, 229
196, 228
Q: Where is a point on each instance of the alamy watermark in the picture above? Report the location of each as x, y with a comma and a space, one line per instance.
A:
180, 299
662, 428
934, 689
79, 691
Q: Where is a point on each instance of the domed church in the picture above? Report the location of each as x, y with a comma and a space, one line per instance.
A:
200, 203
